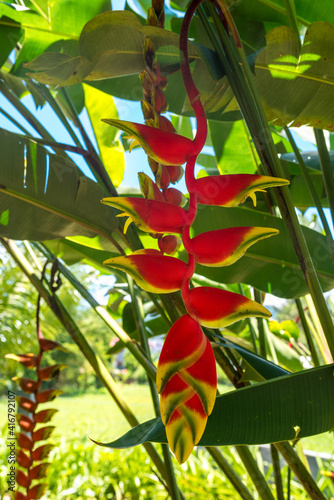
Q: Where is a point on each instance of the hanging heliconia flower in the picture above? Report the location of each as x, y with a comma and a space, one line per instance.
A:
186, 374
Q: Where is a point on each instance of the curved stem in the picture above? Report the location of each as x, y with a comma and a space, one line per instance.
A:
190, 173
191, 89
186, 240
192, 209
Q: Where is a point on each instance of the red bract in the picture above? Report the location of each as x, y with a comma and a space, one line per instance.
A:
152, 271
152, 216
217, 308
230, 190
164, 147
223, 247
29, 360
186, 380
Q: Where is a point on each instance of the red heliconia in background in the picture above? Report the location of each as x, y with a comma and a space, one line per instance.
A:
31, 452
186, 374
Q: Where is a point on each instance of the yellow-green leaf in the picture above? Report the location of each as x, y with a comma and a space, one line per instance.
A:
98, 105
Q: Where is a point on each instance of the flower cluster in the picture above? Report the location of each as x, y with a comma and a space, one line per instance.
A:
186, 374
32, 453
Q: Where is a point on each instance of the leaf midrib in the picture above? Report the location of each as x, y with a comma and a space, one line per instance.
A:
307, 76
55, 211
15, 24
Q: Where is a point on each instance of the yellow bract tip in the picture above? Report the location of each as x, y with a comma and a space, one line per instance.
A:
253, 196
134, 143
127, 224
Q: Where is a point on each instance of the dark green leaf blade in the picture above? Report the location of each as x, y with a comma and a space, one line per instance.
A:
45, 195
265, 368
277, 410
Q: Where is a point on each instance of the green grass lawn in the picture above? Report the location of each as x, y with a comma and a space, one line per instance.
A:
97, 416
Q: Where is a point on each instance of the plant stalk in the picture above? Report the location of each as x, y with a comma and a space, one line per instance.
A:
277, 472
291, 13
104, 315
140, 323
308, 334
254, 472
229, 473
326, 168
300, 470
95, 161
313, 192
260, 326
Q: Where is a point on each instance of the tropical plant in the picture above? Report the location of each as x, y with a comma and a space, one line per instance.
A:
244, 66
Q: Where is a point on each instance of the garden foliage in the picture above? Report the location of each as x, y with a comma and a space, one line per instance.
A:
246, 72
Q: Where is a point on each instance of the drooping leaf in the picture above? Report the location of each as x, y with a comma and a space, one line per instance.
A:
276, 410
50, 189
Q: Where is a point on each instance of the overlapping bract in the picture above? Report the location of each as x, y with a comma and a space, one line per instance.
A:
186, 381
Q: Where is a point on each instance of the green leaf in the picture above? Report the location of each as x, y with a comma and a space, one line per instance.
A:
9, 37
266, 369
286, 356
46, 194
100, 105
48, 23
274, 11
300, 193
112, 44
301, 84
83, 249
295, 87
270, 265
311, 159
277, 410
227, 138
59, 68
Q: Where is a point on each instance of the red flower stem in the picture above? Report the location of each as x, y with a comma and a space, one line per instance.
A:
191, 265
185, 290
190, 173
186, 240
191, 89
